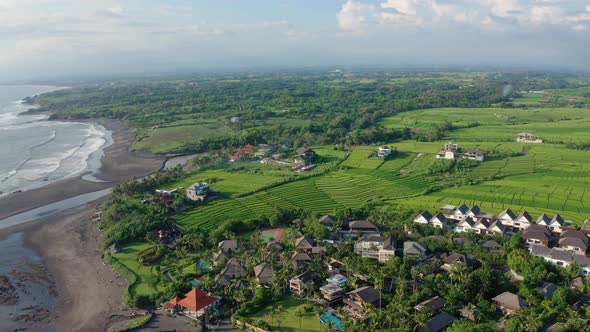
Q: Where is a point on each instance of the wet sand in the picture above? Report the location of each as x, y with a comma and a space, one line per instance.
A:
89, 293
118, 164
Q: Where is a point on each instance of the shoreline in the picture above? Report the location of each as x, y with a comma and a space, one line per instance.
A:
118, 164
90, 293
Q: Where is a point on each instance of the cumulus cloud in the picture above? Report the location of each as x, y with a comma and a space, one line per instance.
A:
355, 16
468, 31
90, 36
485, 14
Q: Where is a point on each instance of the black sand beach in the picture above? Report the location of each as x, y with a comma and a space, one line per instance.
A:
87, 295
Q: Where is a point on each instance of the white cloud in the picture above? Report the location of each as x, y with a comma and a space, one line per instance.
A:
110, 35
403, 7
481, 14
506, 8
354, 16
580, 27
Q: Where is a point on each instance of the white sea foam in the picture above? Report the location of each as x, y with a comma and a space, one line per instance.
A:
67, 149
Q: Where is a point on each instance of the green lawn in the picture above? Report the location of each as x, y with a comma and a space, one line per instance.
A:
167, 139
310, 322
233, 183
148, 281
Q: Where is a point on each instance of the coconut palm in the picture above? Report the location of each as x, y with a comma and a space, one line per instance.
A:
299, 314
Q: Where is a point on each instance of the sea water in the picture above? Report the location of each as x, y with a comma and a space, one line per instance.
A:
35, 151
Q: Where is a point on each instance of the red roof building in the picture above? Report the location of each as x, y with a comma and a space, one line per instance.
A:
248, 148
238, 155
172, 303
193, 304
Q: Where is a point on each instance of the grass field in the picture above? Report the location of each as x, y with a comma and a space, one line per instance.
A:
148, 281
165, 139
556, 125
233, 183
287, 320
271, 235
549, 178
569, 96
321, 194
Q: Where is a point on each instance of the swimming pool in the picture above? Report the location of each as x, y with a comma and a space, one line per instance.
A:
330, 317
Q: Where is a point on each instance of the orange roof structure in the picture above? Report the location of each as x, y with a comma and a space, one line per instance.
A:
248, 147
196, 300
172, 303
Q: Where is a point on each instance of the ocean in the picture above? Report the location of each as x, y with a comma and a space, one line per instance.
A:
35, 152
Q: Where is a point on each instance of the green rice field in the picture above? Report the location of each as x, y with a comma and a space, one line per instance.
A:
540, 178
232, 183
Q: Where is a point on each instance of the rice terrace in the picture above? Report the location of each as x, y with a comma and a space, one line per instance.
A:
541, 178
288, 179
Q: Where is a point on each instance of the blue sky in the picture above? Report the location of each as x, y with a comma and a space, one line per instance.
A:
53, 38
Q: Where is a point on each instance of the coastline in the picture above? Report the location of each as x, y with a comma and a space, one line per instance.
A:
118, 164
90, 294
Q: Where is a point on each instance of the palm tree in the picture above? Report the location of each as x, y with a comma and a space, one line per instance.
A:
459, 273
270, 315
299, 314
420, 320
279, 311
330, 325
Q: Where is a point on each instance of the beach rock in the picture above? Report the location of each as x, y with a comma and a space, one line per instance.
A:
35, 314
8, 294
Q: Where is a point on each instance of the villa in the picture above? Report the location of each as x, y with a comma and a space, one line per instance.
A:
304, 155
473, 154
264, 274
358, 300
298, 283
508, 302
448, 152
331, 292
337, 279
414, 249
380, 248
383, 151
198, 191
195, 304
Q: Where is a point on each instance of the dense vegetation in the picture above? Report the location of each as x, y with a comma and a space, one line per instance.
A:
296, 109
343, 116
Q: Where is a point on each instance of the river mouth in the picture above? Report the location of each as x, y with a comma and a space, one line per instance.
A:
54, 209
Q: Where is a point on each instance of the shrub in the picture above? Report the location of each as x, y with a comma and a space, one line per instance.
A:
440, 166
138, 322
